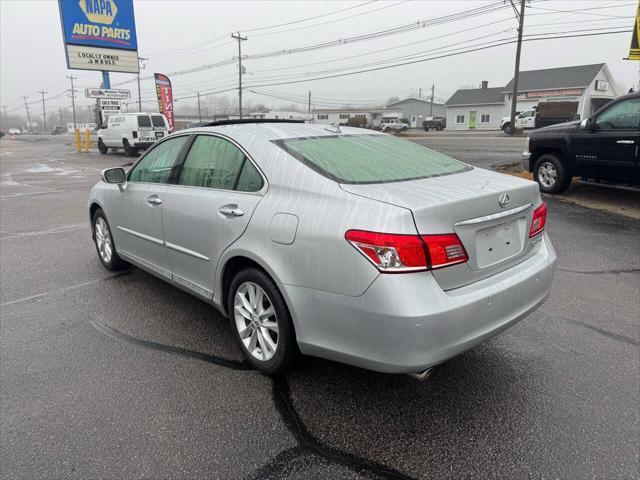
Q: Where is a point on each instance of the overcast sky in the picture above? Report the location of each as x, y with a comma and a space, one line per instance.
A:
178, 35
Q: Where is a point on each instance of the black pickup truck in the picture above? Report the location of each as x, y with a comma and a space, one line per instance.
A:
602, 147
437, 123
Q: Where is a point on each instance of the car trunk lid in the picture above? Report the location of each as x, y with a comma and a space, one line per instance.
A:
490, 212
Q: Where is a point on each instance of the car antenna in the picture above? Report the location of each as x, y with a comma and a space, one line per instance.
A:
333, 128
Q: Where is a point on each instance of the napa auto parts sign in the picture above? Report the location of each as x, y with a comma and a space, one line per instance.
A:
165, 97
100, 35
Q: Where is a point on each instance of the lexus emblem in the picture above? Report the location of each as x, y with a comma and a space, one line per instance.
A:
503, 200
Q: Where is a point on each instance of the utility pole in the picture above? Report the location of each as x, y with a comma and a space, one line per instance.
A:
26, 105
61, 120
142, 62
199, 110
4, 108
73, 100
240, 39
433, 88
516, 73
309, 104
44, 113
420, 92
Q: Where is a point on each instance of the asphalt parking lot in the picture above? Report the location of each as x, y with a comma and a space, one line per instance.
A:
124, 376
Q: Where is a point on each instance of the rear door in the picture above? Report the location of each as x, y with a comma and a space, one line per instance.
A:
145, 129
138, 216
160, 129
216, 193
610, 149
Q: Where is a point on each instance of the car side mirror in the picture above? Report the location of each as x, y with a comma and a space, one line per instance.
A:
586, 124
115, 175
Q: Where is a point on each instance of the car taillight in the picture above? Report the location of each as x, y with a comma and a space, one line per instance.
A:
539, 219
444, 250
396, 253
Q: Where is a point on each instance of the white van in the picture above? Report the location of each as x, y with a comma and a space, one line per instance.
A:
132, 132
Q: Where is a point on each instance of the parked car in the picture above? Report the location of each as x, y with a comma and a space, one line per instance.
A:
132, 132
346, 244
603, 147
58, 131
437, 123
15, 131
394, 124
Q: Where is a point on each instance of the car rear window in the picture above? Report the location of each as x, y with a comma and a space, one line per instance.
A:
369, 158
157, 121
144, 121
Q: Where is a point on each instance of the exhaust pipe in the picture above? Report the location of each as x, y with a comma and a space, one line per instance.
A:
421, 376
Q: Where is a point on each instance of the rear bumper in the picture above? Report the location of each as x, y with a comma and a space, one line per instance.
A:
526, 160
407, 323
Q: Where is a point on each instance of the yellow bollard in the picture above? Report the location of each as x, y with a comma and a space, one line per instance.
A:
78, 141
86, 140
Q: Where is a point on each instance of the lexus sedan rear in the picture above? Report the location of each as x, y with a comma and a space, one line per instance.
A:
341, 243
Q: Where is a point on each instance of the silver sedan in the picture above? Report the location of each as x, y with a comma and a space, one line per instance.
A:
337, 242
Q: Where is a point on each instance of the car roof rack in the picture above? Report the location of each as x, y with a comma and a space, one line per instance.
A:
250, 120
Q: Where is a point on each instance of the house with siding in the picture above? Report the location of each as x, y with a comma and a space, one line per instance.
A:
476, 108
591, 86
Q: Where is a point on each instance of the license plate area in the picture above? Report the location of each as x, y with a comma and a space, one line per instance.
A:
498, 243
159, 134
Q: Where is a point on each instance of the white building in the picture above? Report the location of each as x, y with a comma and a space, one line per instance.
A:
476, 108
372, 116
592, 86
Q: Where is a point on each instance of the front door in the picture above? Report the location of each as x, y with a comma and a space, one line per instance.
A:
472, 119
609, 149
217, 190
138, 222
414, 121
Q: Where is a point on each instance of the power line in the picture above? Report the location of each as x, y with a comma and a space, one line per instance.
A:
222, 37
399, 29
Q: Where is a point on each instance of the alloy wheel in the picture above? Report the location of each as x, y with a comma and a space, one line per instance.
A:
256, 321
547, 174
103, 240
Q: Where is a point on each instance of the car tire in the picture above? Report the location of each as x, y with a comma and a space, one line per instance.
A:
550, 174
128, 149
102, 148
105, 245
506, 128
439, 128
256, 340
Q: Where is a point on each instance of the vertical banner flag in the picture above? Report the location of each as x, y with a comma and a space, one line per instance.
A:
634, 51
165, 97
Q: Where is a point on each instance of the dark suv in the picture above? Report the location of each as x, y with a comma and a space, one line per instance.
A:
603, 147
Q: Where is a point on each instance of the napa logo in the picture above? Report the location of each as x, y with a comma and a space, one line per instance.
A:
99, 11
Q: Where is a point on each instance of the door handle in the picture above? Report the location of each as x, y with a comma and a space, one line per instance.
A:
230, 211
625, 142
153, 200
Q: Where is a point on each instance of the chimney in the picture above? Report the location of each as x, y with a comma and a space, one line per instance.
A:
484, 84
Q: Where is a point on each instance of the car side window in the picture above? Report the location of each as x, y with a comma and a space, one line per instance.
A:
156, 165
623, 115
212, 162
249, 179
